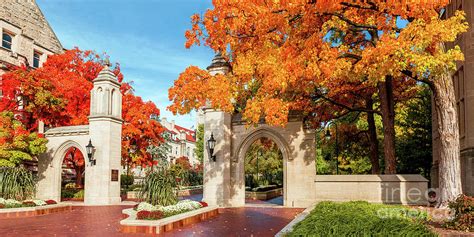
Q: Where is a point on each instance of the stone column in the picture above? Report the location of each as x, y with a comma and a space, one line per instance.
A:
217, 182
217, 174
102, 184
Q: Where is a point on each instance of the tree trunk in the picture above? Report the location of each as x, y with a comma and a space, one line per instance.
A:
448, 128
373, 141
79, 170
388, 118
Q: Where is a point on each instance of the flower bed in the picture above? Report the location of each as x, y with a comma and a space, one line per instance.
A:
146, 211
153, 221
11, 203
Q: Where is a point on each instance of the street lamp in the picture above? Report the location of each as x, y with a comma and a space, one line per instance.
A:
211, 144
90, 152
259, 155
328, 136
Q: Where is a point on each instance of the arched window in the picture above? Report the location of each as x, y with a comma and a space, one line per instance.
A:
99, 103
112, 103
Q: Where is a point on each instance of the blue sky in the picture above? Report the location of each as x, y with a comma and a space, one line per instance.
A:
145, 36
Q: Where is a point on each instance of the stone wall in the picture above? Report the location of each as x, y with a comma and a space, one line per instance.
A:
31, 32
389, 189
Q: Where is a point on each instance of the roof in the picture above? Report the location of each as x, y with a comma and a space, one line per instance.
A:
190, 134
177, 130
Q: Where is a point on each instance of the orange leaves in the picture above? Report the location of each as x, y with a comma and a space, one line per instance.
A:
189, 90
289, 54
195, 87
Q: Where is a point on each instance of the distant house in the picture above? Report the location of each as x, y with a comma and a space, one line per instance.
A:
182, 141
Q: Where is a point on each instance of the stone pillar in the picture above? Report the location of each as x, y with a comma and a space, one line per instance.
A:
102, 185
217, 174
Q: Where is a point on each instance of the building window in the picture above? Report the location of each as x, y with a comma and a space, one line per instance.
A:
36, 59
7, 40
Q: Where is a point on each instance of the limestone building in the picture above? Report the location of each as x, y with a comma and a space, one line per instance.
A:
182, 141
27, 38
463, 80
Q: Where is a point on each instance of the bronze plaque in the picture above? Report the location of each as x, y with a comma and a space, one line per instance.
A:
115, 176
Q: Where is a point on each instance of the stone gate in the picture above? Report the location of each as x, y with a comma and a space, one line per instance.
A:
224, 179
102, 178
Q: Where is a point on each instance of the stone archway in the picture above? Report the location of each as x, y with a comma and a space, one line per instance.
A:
243, 147
224, 180
49, 184
102, 177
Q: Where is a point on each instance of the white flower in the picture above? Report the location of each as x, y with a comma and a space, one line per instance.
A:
2, 201
39, 202
144, 206
180, 207
12, 202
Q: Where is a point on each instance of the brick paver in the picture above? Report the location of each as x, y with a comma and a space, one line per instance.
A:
104, 221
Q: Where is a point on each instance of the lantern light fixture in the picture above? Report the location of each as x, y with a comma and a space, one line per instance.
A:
211, 144
90, 152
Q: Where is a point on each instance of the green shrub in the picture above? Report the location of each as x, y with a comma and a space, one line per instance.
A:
16, 183
159, 188
126, 180
362, 219
463, 208
68, 193
80, 194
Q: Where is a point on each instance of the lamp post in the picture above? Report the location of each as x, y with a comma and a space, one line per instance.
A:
328, 136
259, 155
211, 144
90, 152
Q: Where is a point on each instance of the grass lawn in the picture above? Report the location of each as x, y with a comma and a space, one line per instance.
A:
362, 219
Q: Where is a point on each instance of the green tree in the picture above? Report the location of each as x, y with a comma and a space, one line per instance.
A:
199, 152
160, 152
414, 138
17, 144
265, 161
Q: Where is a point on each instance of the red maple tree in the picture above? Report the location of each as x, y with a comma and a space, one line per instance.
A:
58, 93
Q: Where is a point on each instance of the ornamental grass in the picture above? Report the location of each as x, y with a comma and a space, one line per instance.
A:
159, 188
16, 183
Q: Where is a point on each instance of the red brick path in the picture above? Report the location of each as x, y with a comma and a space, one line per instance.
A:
104, 221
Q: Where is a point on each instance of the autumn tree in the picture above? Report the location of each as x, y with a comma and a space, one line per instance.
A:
75, 160
281, 52
58, 93
139, 131
17, 144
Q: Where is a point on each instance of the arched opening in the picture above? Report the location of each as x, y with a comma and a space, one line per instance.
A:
73, 169
264, 174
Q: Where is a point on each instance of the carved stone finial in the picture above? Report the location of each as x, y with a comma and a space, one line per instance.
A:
219, 62
107, 62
